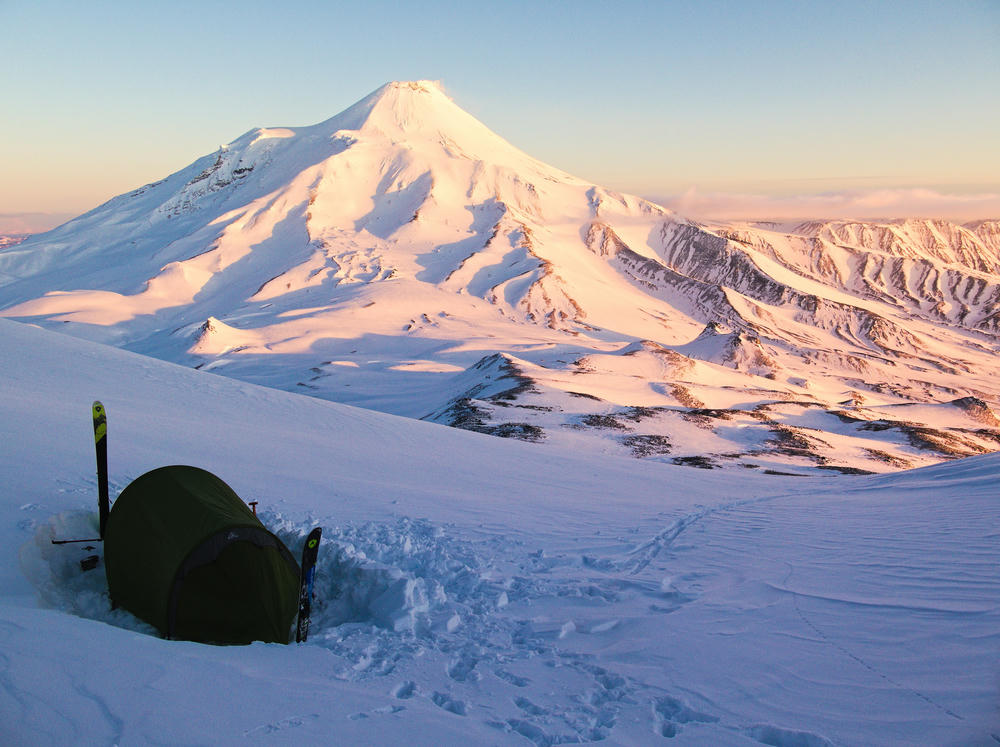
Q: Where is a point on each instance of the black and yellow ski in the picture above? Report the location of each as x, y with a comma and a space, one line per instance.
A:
100, 417
101, 446
309, 553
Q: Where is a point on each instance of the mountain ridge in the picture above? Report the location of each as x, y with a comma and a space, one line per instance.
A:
379, 257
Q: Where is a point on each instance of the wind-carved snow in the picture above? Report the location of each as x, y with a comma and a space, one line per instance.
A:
405, 241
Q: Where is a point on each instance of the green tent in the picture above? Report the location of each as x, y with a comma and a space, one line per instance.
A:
185, 554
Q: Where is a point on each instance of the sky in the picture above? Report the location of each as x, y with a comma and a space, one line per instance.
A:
727, 109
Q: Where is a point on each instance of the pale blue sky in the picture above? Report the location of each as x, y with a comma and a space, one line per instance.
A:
773, 99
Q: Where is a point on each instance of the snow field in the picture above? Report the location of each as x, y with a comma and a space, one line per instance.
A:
474, 590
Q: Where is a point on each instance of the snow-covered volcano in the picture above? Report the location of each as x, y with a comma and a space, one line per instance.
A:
387, 256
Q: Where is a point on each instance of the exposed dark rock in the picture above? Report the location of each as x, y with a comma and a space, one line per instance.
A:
846, 470
880, 425
846, 417
584, 396
706, 417
988, 434
637, 414
520, 431
647, 445
684, 396
793, 442
464, 413
701, 462
720, 414
976, 409
949, 445
603, 421
889, 459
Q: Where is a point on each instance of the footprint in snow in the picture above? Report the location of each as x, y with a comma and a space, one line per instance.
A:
463, 667
672, 597
669, 713
530, 708
405, 690
445, 701
286, 723
777, 737
383, 711
535, 734
512, 679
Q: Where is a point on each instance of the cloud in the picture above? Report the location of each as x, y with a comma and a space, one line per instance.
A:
862, 205
13, 223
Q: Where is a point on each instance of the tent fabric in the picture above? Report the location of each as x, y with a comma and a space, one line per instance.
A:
184, 553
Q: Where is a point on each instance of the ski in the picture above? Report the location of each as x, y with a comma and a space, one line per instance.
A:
101, 446
309, 553
100, 417
70, 542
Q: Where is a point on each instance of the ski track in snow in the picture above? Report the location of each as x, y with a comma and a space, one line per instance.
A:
647, 552
116, 726
851, 655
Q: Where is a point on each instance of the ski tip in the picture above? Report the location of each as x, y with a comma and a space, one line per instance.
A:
100, 422
312, 539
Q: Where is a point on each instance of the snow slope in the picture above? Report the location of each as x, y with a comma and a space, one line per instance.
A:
481, 590
378, 258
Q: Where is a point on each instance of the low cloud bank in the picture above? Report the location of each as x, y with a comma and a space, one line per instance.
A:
861, 205
11, 223
867, 205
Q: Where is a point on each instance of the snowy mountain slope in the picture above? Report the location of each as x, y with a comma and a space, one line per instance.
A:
481, 590
379, 257
928, 268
